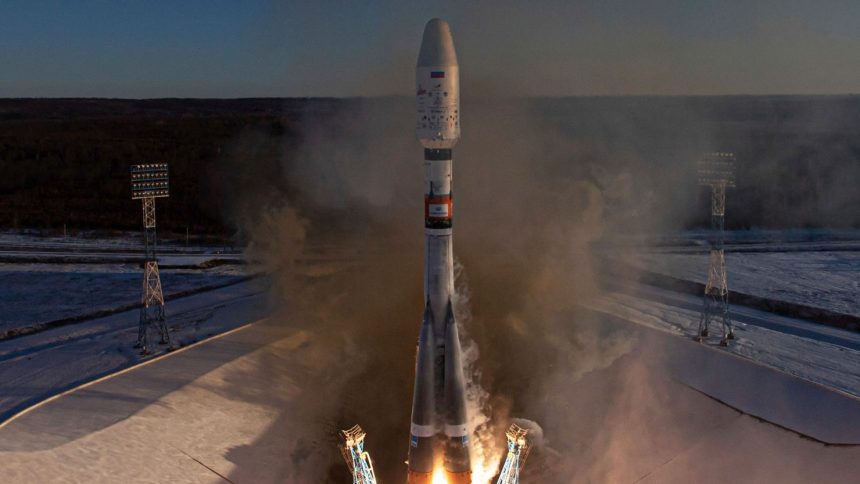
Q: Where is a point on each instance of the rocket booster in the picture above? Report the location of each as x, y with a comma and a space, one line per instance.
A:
439, 401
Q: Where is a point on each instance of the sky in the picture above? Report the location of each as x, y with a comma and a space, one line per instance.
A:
259, 48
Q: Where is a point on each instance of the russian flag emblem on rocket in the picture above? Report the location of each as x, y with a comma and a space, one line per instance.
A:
437, 74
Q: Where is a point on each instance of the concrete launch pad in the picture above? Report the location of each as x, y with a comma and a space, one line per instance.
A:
231, 409
194, 416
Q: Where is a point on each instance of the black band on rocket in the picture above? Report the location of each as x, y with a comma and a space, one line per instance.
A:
437, 155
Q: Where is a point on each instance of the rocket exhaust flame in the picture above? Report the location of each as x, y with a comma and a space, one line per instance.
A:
439, 476
439, 399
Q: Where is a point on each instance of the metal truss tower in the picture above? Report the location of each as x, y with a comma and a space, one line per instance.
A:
518, 450
356, 457
148, 182
717, 171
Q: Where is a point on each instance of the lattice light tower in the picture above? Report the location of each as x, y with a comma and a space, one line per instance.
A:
356, 457
717, 171
518, 450
148, 182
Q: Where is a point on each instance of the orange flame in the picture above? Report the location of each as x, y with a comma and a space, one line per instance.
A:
439, 475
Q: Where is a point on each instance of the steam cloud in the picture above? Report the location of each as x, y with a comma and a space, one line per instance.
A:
341, 234
338, 224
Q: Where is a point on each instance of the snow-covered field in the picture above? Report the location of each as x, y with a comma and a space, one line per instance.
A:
36, 366
124, 249
50, 278
36, 293
221, 410
820, 354
36, 289
87, 242
236, 409
825, 279
752, 239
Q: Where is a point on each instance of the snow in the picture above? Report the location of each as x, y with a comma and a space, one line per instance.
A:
631, 422
209, 404
44, 279
778, 376
40, 365
124, 249
36, 293
825, 279
232, 408
84, 241
754, 238
824, 355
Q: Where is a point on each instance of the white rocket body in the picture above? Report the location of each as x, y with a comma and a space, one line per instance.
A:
437, 81
438, 129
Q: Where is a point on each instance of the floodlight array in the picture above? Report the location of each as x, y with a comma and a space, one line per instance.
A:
717, 169
149, 180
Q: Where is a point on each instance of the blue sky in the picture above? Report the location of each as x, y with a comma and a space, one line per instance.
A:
238, 48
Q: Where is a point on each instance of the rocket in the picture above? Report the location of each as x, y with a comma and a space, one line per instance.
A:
438, 431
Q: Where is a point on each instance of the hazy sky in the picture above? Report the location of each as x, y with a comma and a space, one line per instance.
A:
216, 48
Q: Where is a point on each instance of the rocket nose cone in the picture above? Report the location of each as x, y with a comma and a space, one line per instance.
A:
437, 46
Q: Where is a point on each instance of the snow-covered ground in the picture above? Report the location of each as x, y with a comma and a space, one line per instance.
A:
752, 239
187, 418
820, 354
228, 408
825, 279
123, 249
50, 278
37, 293
236, 409
84, 242
37, 366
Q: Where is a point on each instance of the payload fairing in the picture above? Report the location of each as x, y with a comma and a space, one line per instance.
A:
438, 430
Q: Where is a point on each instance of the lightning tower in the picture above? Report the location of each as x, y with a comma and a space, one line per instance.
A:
356, 457
148, 182
717, 171
518, 450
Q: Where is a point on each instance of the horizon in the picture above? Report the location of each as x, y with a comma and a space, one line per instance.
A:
261, 48
403, 96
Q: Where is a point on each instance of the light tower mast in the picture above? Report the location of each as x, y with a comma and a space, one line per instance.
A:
356, 457
148, 182
518, 450
717, 171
